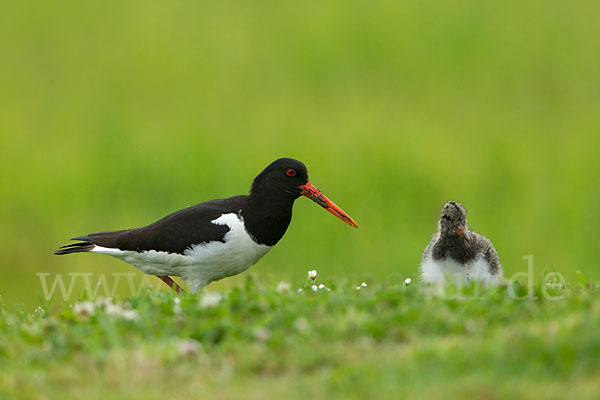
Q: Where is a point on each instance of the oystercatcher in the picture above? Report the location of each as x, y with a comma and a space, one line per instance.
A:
458, 255
215, 239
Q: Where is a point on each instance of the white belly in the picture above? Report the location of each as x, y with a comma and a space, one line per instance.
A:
447, 271
201, 263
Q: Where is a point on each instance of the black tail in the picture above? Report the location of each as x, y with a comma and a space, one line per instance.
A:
82, 247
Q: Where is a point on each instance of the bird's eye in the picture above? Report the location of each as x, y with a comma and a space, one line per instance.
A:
290, 172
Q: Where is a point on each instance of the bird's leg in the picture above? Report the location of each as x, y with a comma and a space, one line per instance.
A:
170, 282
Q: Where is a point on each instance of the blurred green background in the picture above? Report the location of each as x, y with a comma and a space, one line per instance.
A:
114, 114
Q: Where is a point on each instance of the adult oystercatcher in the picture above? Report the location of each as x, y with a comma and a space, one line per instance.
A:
215, 239
458, 255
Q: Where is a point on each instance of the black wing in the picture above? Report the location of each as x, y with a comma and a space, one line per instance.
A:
175, 232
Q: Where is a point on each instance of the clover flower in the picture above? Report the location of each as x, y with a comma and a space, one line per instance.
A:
84, 309
118, 310
262, 334
188, 347
210, 300
283, 287
130, 315
407, 281
103, 302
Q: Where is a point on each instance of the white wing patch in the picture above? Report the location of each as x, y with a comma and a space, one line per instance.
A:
201, 263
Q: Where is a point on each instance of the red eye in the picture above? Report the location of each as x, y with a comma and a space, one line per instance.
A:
290, 172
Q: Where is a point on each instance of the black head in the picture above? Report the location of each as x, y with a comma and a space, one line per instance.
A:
453, 219
283, 176
286, 179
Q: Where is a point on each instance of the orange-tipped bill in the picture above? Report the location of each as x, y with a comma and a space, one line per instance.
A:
315, 195
460, 230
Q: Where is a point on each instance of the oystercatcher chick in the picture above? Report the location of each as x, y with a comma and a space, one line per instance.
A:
456, 254
215, 239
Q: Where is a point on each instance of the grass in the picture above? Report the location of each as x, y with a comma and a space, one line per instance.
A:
382, 341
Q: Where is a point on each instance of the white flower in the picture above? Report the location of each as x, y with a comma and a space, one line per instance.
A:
177, 305
300, 290
113, 309
130, 315
407, 281
312, 274
118, 310
210, 299
103, 302
283, 287
321, 286
302, 325
84, 309
314, 288
262, 334
189, 347
362, 285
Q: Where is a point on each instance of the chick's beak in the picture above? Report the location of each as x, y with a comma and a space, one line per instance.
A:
460, 230
315, 195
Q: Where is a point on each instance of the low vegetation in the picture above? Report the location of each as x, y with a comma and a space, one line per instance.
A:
284, 341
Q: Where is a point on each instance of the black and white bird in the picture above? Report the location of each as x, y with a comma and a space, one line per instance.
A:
215, 239
456, 254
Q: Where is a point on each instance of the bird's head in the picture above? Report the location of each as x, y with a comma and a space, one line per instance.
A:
453, 219
289, 177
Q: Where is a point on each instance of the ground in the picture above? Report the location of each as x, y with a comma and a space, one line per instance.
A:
268, 340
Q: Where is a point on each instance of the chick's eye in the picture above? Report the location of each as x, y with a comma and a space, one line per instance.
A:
290, 172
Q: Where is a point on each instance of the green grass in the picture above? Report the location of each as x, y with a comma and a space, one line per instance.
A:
383, 341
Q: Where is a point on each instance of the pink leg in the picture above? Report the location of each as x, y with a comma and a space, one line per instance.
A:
170, 282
